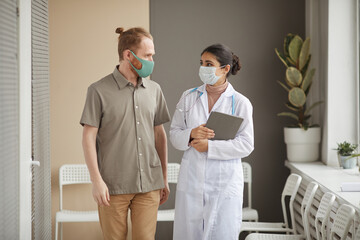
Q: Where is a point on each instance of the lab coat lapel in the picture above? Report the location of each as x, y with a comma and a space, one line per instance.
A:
204, 100
229, 92
217, 105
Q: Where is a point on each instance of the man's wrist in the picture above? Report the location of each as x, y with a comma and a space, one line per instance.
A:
96, 179
165, 180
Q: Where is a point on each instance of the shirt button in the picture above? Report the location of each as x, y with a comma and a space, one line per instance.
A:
139, 139
136, 106
138, 123
140, 154
142, 170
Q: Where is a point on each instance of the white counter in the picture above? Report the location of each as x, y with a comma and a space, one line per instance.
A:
329, 178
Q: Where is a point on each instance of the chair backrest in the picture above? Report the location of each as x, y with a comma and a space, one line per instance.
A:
323, 213
343, 221
357, 234
248, 179
306, 205
73, 174
290, 189
173, 172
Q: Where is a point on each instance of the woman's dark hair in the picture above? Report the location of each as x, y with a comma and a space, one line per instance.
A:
225, 57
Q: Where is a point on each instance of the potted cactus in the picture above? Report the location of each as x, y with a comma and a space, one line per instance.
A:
302, 138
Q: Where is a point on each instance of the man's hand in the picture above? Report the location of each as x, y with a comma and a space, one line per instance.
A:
164, 194
161, 148
99, 189
101, 193
202, 132
201, 145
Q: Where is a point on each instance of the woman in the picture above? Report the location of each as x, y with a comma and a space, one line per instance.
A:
209, 193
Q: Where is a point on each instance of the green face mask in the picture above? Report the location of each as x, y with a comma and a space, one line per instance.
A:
146, 66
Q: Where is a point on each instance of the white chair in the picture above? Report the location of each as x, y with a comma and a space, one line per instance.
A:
173, 174
343, 220
357, 234
305, 210
291, 187
322, 215
248, 213
73, 174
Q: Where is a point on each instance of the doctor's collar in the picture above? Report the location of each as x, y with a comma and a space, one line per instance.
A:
228, 92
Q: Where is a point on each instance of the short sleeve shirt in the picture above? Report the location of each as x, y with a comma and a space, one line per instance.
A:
125, 117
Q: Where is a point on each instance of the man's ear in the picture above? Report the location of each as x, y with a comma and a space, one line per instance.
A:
126, 54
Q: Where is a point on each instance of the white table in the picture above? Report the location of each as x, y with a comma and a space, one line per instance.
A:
329, 178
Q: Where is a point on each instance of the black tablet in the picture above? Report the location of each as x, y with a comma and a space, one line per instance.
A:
224, 125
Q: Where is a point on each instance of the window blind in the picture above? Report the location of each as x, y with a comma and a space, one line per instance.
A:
41, 182
9, 122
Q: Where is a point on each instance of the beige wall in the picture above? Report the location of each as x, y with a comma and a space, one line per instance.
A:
83, 49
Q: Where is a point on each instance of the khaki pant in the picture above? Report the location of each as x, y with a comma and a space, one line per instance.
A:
143, 206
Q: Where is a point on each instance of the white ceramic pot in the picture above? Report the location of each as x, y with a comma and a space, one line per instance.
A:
347, 163
302, 145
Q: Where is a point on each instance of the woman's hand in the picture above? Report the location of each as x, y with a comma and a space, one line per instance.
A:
202, 132
201, 145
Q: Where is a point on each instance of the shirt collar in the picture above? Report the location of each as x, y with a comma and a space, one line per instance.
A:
122, 82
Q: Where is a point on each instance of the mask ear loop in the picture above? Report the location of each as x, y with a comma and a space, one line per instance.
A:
134, 57
225, 66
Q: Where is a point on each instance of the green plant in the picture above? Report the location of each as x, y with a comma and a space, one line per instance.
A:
346, 149
296, 58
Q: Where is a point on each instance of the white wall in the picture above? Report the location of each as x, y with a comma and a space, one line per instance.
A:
342, 85
332, 26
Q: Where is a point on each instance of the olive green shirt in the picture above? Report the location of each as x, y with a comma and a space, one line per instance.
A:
125, 117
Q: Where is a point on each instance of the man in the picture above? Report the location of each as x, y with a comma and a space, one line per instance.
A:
124, 141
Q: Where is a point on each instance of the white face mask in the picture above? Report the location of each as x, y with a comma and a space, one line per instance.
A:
207, 75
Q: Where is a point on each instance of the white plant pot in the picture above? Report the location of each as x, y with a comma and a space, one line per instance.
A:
346, 162
302, 145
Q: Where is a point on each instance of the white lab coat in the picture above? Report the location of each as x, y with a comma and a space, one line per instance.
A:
209, 193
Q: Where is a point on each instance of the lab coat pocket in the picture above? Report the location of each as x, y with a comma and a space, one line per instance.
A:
183, 175
232, 178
